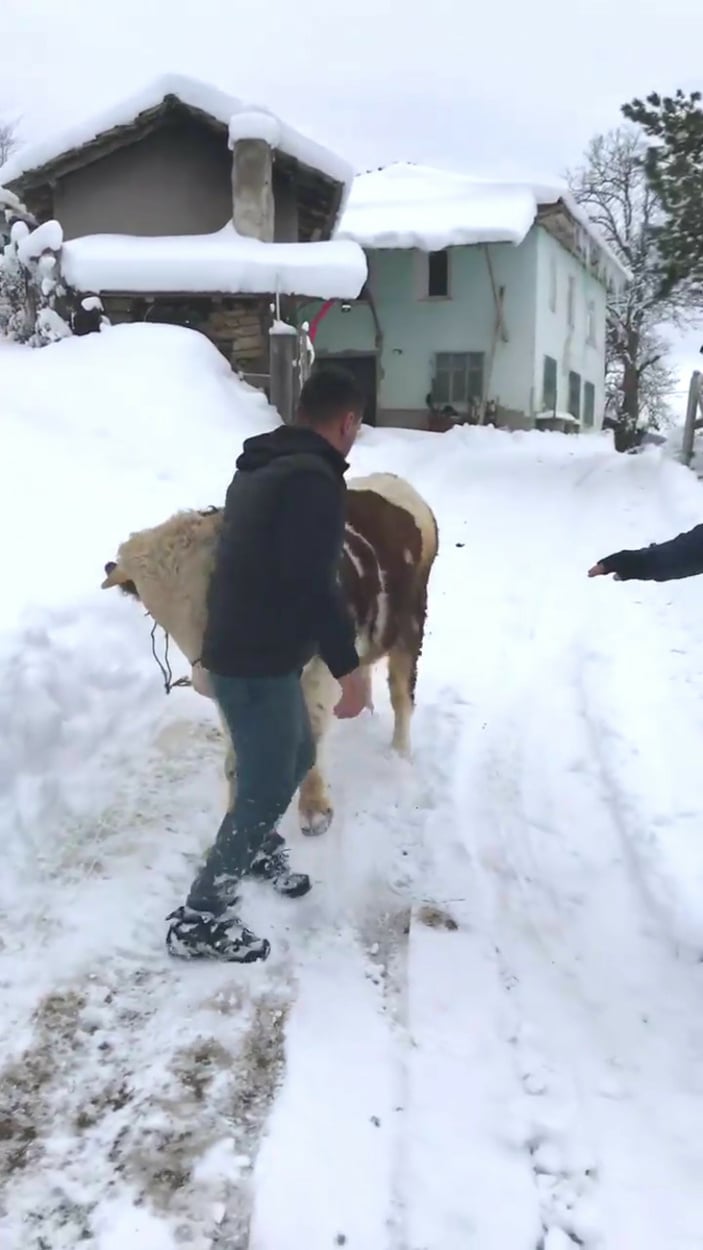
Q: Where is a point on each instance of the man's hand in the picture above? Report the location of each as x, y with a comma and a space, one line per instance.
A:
598, 570
200, 681
355, 695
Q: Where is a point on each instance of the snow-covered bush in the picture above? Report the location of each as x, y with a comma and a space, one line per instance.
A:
36, 304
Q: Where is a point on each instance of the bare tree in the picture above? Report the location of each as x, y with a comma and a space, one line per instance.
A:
8, 139
613, 187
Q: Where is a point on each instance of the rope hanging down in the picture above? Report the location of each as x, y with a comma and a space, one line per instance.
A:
166, 671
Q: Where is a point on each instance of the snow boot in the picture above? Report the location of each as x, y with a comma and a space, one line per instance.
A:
200, 935
271, 863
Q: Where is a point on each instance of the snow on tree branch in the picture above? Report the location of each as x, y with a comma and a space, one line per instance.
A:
36, 304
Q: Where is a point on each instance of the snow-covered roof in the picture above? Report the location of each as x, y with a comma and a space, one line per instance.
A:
194, 94
225, 263
415, 206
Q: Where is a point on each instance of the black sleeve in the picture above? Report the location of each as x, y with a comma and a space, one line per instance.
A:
311, 529
661, 562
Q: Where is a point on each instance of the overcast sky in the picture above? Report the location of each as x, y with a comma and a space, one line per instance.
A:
502, 86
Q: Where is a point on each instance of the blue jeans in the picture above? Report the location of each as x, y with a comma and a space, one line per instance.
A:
275, 749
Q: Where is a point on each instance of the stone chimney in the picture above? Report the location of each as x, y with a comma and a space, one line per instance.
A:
252, 140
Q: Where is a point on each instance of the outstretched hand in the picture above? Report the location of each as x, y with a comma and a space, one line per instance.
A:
599, 571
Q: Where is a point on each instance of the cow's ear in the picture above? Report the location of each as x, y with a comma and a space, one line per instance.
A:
116, 577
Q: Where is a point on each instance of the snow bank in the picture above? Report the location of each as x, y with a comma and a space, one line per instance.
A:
196, 95
153, 408
101, 435
224, 262
406, 206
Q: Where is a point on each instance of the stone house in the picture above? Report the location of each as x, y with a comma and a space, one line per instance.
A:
182, 205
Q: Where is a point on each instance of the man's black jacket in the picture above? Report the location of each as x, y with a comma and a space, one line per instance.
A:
274, 598
661, 562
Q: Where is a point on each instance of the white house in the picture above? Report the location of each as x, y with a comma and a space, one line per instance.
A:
481, 296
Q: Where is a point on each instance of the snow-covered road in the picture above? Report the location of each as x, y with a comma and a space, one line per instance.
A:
483, 1030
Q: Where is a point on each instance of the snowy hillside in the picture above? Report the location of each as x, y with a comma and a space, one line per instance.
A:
482, 1029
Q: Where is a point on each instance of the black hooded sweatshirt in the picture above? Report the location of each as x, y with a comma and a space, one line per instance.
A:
274, 598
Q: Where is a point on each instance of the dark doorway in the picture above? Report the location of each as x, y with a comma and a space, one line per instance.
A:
363, 368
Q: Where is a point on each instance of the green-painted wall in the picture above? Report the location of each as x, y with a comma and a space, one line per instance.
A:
415, 328
572, 346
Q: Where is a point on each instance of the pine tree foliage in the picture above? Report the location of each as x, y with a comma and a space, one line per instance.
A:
674, 167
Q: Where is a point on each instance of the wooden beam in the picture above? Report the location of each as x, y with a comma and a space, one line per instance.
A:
689, 429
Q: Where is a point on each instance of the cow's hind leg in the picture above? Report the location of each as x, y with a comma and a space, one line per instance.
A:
321, 694
402, 676
403, 659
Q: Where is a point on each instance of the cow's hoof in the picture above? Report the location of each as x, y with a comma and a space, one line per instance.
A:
314, 824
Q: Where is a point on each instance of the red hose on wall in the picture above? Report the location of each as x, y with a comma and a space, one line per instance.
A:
319, 315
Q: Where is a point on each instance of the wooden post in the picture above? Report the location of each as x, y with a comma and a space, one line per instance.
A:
499, 331
692, 422
283, 352
305, 358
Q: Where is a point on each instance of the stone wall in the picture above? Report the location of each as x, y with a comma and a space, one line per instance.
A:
239, 329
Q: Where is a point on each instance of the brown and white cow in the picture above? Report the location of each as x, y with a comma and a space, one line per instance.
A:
390, 546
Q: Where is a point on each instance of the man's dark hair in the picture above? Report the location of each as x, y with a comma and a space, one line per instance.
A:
328, 393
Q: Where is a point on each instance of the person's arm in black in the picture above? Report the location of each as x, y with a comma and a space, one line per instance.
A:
661, 562
311, 528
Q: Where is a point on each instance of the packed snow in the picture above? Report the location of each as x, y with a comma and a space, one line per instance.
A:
204, 97
9, 201
255, 125
224, 262
407, 206
483, 1026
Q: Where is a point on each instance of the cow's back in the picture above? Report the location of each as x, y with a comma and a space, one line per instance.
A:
389, 516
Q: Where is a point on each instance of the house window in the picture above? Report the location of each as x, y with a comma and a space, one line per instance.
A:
549, 385
458, 377
438, 274
553, 283
571, 303
589, 404
575, 395
591, 323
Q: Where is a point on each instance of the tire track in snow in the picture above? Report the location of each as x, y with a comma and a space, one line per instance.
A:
353, 975
583, 979
512, 893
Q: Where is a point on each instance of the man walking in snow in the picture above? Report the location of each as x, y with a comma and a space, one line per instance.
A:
660, 562
274, 601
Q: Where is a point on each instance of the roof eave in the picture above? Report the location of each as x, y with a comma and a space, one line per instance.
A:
142, 124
